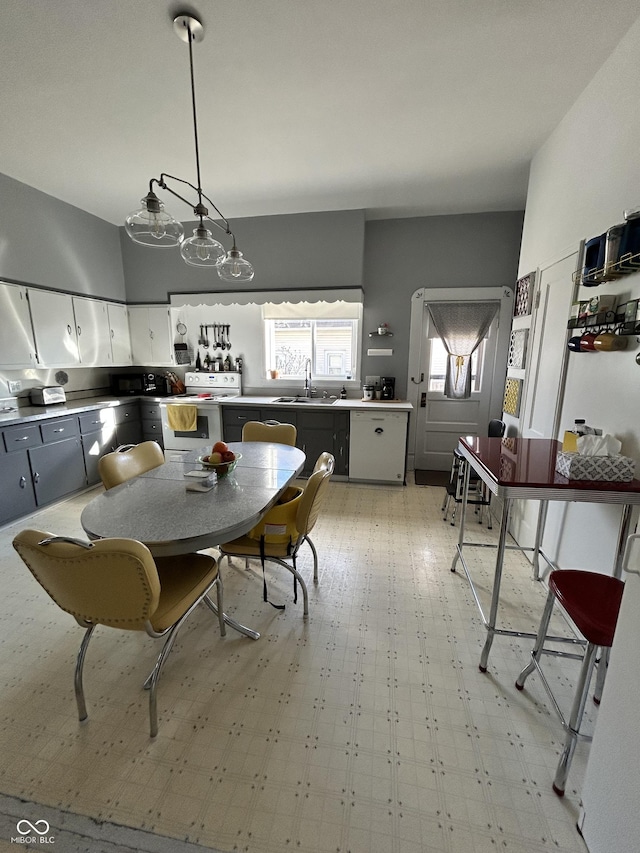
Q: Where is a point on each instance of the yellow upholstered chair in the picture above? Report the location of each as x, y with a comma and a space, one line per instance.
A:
325, 462
128, 461
285, 553
116, 582
269, 431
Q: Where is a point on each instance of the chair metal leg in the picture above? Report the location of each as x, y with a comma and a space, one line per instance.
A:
601, 674
219, 609
155, 675
229, 620
539, 643
298, 577
77, 680
573, 726
315, 559
445, 506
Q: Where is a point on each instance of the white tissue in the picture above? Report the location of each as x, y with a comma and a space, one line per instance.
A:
598, 445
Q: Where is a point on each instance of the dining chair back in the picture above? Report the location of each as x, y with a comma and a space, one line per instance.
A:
117, 583
592, 602
285, 553
270, 431
325, 462
479, 496
129, 461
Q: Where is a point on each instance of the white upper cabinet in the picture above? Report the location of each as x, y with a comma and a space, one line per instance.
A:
119, 333
54, 328
17, 347
151, 338
93, 331
75, 330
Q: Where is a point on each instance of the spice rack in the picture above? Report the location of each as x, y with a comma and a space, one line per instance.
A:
617, 321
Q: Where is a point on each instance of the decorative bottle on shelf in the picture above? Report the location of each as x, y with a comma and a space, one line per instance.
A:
343, 393
198, 362
226, 364
207, 361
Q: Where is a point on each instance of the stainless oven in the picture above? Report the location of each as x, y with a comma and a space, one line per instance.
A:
203, 390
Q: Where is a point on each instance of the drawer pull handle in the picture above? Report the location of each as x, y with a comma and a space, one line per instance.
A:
379, 430
61, 429
36, 477
22, 438
23, 482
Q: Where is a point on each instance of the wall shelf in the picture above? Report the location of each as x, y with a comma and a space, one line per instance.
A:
612, 320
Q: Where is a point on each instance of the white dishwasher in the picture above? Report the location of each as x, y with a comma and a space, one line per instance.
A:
377, 446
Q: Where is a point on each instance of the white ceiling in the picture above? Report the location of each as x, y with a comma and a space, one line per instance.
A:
401, 107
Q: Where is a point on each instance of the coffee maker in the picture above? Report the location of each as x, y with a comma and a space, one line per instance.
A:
388, 388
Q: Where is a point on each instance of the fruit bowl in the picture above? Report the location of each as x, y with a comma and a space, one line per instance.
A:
221, 468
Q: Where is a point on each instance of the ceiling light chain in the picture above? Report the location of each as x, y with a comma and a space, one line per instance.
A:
152, 226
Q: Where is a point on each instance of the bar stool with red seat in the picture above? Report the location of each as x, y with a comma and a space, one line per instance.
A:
592, 602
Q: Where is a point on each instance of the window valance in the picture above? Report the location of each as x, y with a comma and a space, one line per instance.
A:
325, 300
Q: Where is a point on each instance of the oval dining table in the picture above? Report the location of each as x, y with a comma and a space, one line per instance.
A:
159, 509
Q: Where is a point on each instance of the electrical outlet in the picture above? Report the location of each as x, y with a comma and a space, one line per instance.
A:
15, 385
372, 380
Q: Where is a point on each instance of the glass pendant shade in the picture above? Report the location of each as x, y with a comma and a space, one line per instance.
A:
202, 250
235, 268
151, 226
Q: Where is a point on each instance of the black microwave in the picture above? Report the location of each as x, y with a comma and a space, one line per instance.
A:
140, 384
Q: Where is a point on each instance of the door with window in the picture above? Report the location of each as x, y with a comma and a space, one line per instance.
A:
441, 421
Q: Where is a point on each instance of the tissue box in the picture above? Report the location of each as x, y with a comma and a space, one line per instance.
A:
611, 469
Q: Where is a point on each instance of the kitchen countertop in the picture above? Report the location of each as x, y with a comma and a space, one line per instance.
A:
316, 403
72, 407
25, 414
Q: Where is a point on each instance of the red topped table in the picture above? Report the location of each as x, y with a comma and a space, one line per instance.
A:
521, 469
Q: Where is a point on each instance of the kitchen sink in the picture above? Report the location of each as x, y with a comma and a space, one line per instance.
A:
327, 401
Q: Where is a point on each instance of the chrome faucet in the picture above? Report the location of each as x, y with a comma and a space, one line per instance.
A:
307, 378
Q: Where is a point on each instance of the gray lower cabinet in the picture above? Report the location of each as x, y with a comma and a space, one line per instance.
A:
128, 424
97, 434
41, 463
234, 418
17, 496
318, 430
151, 422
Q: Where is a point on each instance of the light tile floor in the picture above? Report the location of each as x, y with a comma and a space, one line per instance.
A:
366, 728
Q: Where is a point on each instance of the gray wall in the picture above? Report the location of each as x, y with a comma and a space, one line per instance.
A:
390, 259
46, 242
402, 255
308, 250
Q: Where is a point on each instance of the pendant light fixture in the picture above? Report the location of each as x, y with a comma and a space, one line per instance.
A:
153, 226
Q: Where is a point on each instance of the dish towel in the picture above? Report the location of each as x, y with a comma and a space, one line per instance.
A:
182, 418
